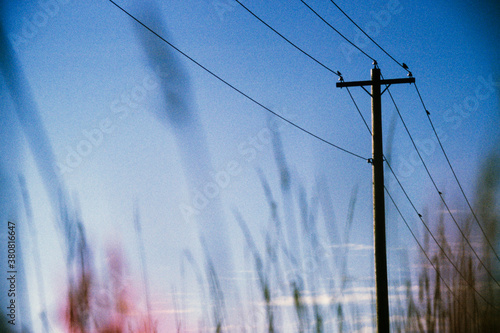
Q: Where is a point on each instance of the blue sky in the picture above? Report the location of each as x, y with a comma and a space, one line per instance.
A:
89, 75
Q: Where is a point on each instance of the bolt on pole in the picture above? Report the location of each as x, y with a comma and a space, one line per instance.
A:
377, 161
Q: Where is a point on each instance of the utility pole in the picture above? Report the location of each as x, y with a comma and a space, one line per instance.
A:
377, 162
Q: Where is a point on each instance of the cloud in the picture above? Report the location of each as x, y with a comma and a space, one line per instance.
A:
353, 247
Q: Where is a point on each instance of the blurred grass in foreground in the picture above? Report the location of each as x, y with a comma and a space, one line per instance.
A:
456, 307
299, 285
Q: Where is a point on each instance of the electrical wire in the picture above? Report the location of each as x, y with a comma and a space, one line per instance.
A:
439, 192
234, 88
333, 28
454, 174
325, 141
426, 255
422, 220
403, 65
436, 241
359, 111
288, 41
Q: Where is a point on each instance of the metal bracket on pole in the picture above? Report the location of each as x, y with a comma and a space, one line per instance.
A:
370, 83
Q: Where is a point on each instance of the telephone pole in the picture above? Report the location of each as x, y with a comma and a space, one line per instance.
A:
377, 162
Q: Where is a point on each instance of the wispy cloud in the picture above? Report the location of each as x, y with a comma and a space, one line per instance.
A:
353, 247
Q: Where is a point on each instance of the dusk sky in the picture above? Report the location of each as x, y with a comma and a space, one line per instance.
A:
100, 81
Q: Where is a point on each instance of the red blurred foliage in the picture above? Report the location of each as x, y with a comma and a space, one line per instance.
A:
101, 307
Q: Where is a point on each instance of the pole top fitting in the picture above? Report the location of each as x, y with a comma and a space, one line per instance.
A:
375, 64
341, 78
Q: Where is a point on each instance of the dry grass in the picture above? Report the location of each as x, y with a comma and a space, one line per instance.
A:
447, 300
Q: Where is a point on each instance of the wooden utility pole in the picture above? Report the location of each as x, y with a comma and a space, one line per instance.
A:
377, 162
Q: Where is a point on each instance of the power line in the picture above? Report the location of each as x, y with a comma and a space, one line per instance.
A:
381, 279
426, 255
454, 174
439, 192
436, 241
359, 111
403, 65
333, 28
307, 132
422, 220
234, 88
288, 41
